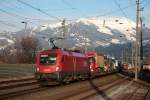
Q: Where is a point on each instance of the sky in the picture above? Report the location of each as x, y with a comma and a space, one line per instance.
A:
39, 12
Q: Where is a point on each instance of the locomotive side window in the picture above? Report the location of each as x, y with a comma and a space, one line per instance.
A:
48, 59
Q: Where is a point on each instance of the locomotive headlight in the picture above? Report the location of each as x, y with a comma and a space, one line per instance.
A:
37, 69
57, 68
92, 70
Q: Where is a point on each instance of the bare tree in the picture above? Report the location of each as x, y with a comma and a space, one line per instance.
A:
26, 49
7, 54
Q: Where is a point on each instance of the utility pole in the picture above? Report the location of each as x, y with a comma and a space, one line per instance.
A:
63, 32
63, 27
141, 40
133, 53
25, 22
123, 54
141, 44
137, 43
104, 23
85, 48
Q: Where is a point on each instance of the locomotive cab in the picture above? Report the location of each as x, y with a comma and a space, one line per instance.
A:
48, 66
49, 62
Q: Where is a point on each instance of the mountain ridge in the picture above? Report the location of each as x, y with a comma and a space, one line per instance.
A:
90, 32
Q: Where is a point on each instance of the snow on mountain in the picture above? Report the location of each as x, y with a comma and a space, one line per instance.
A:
6, 39
107, 24
91, 32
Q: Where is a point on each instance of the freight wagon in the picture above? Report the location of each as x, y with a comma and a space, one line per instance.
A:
101, 64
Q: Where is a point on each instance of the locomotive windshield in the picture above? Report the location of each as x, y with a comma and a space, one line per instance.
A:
48, 59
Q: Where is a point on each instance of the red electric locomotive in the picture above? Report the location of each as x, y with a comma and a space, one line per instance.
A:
61, 65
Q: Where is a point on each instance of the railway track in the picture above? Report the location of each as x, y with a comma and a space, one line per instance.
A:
26, 86
95, 89
84, 90
120, 89
130, 90
13, 73
14, 79
18, 83
16, 87
141, 92
147, 96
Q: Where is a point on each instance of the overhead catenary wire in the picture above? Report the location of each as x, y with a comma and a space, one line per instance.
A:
22, 17
118, 5
117, 10
125, 15
107, 13
37, 19
11, 14
30, 20
72, 7
69, 5
10, 7
112, 11
38, 9
14, 15
17, 15
16, 12
122, 10
8, 24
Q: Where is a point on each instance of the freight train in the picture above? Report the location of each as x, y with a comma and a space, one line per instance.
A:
101, 64
65, 66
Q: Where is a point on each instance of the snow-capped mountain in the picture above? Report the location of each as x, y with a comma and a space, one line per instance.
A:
92, 32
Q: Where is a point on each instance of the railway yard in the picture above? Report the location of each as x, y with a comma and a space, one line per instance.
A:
108, 87
74, 50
